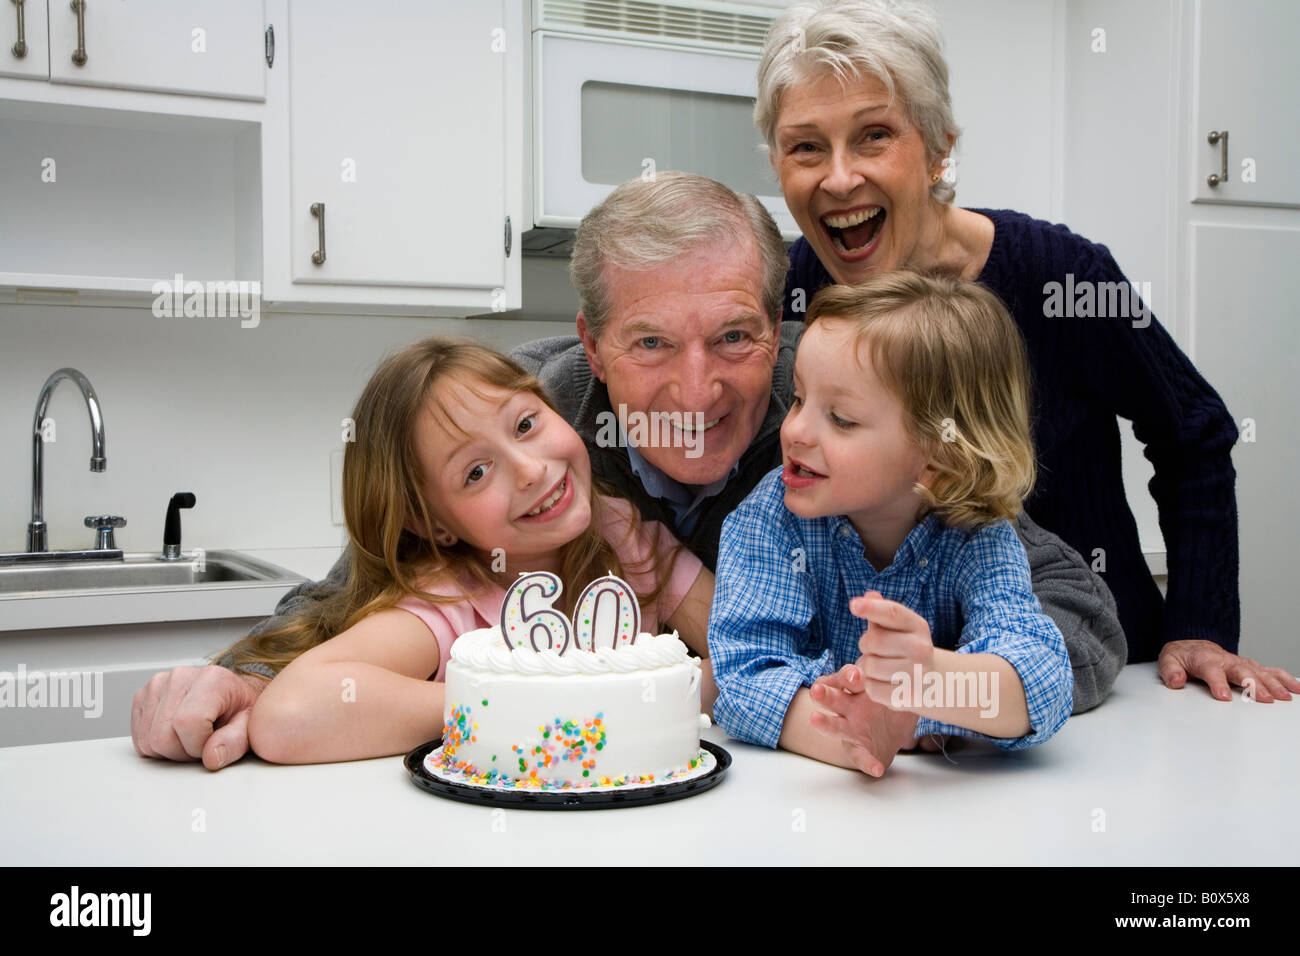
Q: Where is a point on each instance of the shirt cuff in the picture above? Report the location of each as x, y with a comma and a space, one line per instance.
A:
753, 707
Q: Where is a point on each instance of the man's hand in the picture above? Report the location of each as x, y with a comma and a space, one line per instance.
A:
189, 713
872, 733
1209, 662
897, 640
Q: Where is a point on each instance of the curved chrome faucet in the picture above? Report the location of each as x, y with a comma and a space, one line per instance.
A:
37, 532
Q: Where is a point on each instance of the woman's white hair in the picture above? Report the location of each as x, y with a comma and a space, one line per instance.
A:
899, 44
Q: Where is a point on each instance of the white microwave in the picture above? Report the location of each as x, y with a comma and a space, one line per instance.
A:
622, 88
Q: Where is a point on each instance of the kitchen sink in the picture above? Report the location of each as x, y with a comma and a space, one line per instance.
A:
139, 588
141, 571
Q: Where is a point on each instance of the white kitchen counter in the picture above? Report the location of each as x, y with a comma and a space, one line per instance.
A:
1176, 777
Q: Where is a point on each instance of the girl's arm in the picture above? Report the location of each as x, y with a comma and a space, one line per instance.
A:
691, 622
364, 693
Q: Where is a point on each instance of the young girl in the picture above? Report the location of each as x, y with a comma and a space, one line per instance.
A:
906, 450
461, 476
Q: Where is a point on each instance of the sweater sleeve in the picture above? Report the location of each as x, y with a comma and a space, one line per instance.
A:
560, 364
293, 603
1081, 605
1132, 365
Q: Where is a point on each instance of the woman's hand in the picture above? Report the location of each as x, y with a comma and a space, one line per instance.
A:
1207, 661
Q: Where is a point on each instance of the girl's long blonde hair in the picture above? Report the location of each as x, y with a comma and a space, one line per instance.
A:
383, 499
949, 351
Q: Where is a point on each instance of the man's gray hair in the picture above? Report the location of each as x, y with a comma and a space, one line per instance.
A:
646, 223
899, 44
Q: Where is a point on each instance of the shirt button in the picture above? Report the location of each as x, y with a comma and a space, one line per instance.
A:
923, 562
844, 531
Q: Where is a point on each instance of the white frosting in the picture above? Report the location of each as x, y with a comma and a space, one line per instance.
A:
647, 696
485, 650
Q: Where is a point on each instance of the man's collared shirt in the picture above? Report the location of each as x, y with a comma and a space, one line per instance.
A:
780, 616
683, 500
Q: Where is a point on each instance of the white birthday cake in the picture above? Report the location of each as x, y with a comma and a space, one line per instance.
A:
586, 707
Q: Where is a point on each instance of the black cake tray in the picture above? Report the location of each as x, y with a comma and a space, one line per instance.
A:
582, 799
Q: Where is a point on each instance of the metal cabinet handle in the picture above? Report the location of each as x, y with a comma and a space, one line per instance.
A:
1220, 137
20, 48
79, 54
318, 210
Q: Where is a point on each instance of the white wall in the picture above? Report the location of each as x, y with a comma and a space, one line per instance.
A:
1121, 144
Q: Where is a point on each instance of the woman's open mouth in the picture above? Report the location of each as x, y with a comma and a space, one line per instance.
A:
854, 234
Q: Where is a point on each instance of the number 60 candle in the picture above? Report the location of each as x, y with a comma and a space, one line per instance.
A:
607, 615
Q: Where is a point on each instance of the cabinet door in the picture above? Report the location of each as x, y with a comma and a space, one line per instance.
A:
173, 46
1243, 286
32, 57
398, 126
1246, 84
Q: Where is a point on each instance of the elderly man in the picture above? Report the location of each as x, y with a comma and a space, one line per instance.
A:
678, 382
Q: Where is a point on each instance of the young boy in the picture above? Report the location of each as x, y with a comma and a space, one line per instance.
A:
906, 450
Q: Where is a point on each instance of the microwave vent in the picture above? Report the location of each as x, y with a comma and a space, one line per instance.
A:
716, 26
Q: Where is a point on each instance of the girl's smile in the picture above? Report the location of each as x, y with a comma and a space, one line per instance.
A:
554, 503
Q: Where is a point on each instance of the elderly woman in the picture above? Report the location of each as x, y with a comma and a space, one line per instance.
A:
853, 103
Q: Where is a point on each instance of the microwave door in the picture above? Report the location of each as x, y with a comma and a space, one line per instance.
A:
608, 111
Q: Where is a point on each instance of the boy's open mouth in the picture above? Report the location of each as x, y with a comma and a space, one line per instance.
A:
796, 475
854, 231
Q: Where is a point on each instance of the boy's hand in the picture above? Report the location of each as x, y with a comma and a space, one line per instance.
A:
897, 640
872, 733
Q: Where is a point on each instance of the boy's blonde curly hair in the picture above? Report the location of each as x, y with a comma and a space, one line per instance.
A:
950, 353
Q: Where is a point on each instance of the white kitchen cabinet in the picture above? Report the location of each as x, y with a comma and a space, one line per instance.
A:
97, 206
90, 674
24, 53
403, 122
170, 46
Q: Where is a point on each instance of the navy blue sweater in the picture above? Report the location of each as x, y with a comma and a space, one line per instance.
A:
1086, 372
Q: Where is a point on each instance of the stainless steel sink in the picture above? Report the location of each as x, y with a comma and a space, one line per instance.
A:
141, 572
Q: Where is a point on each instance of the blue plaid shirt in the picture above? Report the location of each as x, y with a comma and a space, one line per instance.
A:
780, 616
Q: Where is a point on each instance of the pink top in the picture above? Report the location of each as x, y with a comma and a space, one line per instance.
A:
483, 609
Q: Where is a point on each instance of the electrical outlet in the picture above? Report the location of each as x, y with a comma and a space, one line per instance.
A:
336, 486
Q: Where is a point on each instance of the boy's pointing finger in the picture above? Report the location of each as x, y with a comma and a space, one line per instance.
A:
880, 610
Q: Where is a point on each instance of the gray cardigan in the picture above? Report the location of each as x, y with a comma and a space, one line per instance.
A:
1073, 595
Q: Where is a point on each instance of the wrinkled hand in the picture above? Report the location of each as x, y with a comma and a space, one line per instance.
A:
1207, 661
192, 713
872, 733
897, 640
